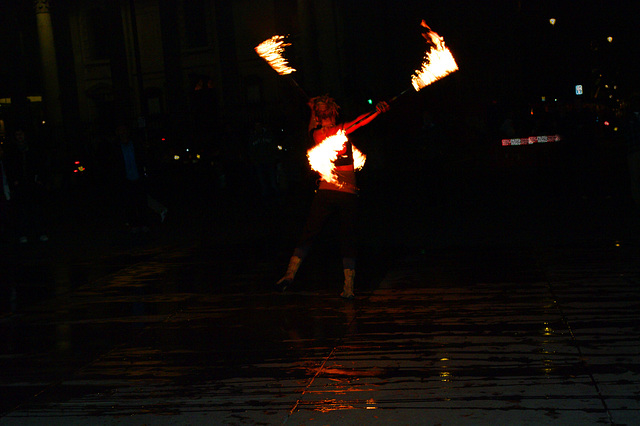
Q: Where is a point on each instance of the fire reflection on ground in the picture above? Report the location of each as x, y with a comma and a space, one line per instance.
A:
328, 405
343, 382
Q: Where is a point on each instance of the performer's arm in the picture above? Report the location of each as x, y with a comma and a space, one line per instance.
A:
365, 119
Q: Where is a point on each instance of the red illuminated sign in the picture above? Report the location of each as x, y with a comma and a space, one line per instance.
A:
531, 140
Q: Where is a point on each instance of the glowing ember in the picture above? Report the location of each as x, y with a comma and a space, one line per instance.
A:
322, 156
271, 50
438, 61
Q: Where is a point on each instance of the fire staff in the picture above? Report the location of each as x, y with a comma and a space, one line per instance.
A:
337, 191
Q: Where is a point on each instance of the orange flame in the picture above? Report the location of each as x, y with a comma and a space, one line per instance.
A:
271, 50
438, 61
322, 156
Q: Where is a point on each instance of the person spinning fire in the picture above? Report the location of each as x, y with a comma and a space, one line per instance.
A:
336, 196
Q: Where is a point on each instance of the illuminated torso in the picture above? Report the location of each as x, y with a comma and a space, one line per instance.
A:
343, 165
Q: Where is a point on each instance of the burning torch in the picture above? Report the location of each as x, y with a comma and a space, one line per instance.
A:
438, 62
272, 50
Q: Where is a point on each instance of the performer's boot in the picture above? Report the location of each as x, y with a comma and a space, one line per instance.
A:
294, 264
349, 277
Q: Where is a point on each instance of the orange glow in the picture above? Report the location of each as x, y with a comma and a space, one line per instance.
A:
333, 405
328, 405
438, 61
373, 372
322, 156
271, 50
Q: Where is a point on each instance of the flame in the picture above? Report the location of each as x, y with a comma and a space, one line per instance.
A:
438, 61
322, 156
271, 50
358, 158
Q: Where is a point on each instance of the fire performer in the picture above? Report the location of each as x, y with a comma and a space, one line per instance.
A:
337, 191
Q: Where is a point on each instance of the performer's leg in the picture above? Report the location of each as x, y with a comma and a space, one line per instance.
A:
320, 209
348, 211
349, 277
292, 269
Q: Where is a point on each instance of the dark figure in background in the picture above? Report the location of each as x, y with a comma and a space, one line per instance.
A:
330, 197
129, 168
27, 170
632, 134
263, 154
5, 194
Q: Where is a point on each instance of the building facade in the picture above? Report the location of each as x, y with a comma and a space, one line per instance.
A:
172, 65
168, 65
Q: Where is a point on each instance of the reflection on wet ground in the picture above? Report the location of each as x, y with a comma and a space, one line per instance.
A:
192, 334
489, 306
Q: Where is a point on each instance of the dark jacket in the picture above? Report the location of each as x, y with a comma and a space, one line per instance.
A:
25, 168
114, 162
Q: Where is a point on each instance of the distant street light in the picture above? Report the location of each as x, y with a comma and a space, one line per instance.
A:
609, 39
552, 21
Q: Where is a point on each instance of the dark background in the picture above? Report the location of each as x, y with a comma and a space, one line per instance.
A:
509, 56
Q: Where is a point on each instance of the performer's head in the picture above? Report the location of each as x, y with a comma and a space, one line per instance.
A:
325, 107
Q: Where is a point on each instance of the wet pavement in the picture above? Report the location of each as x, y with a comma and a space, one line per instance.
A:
512, 310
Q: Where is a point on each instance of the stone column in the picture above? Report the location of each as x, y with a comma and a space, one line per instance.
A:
53, 110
